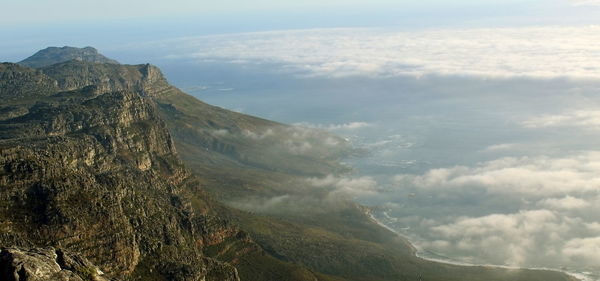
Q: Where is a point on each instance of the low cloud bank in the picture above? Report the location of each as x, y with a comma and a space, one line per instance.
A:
589, 119
546, 52
548, 215
526, 176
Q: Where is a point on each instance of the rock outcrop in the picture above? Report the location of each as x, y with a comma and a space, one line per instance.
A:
43, 264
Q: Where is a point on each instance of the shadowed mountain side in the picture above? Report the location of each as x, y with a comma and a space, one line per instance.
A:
96, 175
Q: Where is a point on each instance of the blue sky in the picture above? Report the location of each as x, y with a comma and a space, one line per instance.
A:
28, 25
37, 11
34, 12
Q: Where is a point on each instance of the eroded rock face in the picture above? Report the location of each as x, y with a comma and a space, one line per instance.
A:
18, 82
45, 264
97, 173
145, 79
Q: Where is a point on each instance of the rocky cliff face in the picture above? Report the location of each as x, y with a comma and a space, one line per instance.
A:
46, 264
96, 173
73, 74
18, 82
90, 167
226, 137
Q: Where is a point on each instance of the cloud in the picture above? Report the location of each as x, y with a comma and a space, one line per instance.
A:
500, 147
284, 141
526, 176
585, 2
527, 211
220, 132
349, 126
566, 203
580, 118
547, 52
532, 238
298, 147
346, 186
258, 135
584, 250
333, 127
311, 196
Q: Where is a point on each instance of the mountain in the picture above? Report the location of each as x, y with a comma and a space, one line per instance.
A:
52, 55
96, 173
90, 167
113, 164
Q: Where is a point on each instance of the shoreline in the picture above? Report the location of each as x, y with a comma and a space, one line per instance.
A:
577, 276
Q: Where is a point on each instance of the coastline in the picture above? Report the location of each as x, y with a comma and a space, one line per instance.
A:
576, 276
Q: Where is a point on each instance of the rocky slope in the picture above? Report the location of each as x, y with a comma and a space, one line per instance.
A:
18, 82
223, 136
97, 173
90, 167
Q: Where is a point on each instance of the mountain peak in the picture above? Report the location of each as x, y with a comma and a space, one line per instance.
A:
54, 55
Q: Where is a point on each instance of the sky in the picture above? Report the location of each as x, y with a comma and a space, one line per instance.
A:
30, 25
28, 12
36, 11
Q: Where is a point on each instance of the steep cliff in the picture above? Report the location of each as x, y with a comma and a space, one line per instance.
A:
18, 82
91, 168
220, 135
97, 173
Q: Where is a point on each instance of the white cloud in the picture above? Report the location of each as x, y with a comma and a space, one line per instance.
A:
585, 250
333, 127
296, 140
529, 176
497, 52
346, 186
566, 203
581, 118
531, 238
500, 147
349, 126
298, 147
585, 2
534, 211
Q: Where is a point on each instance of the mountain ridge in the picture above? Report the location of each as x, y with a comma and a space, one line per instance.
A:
52, 55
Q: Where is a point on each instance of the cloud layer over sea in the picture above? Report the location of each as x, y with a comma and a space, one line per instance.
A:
481, 145
547, 52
